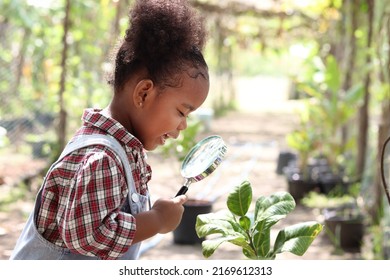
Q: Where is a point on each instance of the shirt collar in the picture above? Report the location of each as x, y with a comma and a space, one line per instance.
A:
93, 118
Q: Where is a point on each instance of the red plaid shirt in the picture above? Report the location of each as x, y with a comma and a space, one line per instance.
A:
83, 194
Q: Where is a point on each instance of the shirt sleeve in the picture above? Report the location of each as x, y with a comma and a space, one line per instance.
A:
93, 224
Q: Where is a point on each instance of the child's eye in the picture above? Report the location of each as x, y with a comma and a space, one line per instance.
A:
181, 113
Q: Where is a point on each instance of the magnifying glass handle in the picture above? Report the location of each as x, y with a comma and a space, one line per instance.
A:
182, 190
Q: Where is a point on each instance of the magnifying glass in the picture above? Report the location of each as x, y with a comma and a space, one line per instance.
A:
385, 167
202, 160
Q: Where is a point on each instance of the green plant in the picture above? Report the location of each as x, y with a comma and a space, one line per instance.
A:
324, 115
343, 218
321, 201
304, 140
254, 235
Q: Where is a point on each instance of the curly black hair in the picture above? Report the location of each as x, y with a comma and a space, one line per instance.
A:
165, 37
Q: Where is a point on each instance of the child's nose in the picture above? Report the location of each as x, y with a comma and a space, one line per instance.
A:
183, 124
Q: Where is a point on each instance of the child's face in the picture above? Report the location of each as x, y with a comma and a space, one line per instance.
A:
165, 114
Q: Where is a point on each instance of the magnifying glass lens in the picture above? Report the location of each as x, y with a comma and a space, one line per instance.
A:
202, 160
205, 154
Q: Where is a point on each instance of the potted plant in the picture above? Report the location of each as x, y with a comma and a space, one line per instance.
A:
344, 220
285, 159
299, 172
322, 151
345, 225
253, 235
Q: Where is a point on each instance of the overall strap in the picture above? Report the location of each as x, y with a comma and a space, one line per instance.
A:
136, 200
101, 139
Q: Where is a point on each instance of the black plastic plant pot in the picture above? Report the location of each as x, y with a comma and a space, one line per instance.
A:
185, 233
328, 182
347, 231
299, 187
285, 159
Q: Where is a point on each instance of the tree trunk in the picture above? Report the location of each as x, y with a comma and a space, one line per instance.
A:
364, 109
350, 56
3, 27
20, 62
120, 7
63, 114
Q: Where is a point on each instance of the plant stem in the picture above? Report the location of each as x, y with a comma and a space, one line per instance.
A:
249, 236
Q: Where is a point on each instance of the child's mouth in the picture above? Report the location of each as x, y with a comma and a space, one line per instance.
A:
164, 138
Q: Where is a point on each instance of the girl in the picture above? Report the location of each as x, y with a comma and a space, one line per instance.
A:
93, 203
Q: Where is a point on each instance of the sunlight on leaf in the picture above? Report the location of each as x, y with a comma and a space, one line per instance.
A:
240, 198
296, 239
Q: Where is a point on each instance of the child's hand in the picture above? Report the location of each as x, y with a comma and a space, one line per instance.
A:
164, 217
169, 212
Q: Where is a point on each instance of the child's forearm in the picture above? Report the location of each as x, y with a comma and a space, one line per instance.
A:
148, 224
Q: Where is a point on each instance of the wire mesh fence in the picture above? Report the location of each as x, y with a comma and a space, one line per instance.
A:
31, 51
24, 118
27, 116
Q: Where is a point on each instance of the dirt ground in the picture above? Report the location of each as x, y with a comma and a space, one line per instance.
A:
254, 140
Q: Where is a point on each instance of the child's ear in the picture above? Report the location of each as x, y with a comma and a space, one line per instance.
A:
142, 92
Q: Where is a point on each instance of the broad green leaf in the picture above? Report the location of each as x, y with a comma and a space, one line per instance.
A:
262, 224
278, 204
262, 241
296, 239
240, 198
245, 222
268, 211
262, 234
209, 246
221, 222
332, 74
211, 223
241, 241
250, 254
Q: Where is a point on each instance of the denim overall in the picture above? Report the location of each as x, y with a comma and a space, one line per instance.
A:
33, 246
